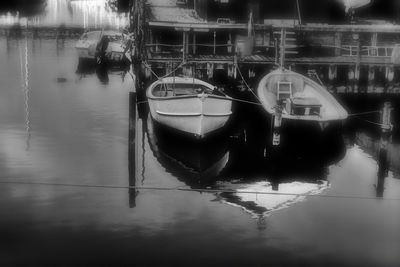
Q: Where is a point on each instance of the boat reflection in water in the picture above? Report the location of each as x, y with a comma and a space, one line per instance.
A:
230, 166
197, 164
102, 71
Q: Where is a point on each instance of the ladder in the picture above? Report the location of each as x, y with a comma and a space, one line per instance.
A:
288, 40
284, 90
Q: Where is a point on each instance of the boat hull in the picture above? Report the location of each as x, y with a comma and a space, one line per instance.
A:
84, 53
303, 89
198, 115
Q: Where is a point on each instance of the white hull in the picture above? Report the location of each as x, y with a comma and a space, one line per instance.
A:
302, 88
83, 53
197, 115
86, 47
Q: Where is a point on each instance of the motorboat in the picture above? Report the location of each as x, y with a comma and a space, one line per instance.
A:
101, 44
299, 98
189, 105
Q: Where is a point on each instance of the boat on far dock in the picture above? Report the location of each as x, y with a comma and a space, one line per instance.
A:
189, 105
100, 45
300, 98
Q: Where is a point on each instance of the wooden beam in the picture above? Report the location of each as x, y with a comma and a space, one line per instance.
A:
215, 42
194, 43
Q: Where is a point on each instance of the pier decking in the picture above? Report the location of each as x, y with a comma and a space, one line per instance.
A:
349, 55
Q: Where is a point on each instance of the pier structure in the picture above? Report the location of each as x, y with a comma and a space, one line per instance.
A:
182, 39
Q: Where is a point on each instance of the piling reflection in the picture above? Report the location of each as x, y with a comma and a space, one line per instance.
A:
24, 68
102, 71
388, 159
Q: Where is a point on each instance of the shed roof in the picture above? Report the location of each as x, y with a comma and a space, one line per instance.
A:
169, 11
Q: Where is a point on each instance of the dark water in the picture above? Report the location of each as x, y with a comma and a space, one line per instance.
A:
60, 127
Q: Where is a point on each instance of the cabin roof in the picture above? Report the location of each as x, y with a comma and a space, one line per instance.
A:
169, 11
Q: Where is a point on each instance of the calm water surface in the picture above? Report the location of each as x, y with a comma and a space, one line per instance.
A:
60, 127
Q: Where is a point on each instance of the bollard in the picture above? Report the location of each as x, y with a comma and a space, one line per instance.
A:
382, 172
132, 148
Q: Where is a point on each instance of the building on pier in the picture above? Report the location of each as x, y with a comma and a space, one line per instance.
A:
213, 38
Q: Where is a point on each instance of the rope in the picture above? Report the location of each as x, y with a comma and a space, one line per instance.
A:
364, 113
233, 99
226, 98
245, 101
166, 75
181, 189
247, 85
180, 65
371, 122
148, 67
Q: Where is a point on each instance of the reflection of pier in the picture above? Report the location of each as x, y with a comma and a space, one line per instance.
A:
72, 16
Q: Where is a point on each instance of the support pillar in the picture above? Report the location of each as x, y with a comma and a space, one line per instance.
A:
386, 132
371, 79
132, 148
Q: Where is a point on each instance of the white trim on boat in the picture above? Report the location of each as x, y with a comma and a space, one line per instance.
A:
179, 114
217, 114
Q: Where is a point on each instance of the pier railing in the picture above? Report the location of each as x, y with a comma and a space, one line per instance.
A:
190, 49
370, 51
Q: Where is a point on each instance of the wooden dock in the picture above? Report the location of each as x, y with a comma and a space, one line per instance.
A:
358, 57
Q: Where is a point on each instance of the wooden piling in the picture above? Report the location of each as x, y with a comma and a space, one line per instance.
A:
276, 132
132, 148
283, 47
383, 163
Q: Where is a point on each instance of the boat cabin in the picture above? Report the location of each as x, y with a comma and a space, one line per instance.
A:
291, 92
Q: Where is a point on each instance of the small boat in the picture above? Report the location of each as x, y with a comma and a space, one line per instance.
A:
98, 44
189, 105
300, 97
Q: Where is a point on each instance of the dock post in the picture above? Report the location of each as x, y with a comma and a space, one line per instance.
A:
338, 44
132, 148
276, 44
283, 47
383, 163
389, 75
215, 43
371, 79
332, 75
276, 132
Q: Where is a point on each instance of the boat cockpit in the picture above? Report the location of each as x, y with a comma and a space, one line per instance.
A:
182, 89
292, 93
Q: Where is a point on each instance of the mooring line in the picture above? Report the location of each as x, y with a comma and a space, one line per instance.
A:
364, 113
181, 189
166, 75
371, 122
247, 85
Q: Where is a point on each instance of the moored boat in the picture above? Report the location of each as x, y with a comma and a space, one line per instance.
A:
101, 44
87, 45
300, 98
189, 105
